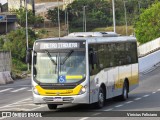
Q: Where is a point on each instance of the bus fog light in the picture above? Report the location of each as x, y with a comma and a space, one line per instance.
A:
83, 90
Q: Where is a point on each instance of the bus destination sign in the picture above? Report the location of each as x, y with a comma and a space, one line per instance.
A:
61, 45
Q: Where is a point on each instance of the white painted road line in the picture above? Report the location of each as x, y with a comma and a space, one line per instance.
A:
110, 109
119, 106
137, 98
158, 90
153, 92
145, 95
96, 114
14, 103
29, 90
129, 102
84, 118
19, 89
5, 90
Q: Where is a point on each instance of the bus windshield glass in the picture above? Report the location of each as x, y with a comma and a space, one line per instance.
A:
67, 66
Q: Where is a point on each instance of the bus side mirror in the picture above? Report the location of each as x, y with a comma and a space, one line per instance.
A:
29, 56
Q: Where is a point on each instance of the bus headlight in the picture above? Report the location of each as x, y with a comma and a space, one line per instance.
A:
35, 90
83, 90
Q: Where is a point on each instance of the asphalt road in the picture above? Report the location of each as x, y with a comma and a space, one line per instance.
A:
18, 97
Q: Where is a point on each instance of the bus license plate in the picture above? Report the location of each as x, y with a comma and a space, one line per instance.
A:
57, 99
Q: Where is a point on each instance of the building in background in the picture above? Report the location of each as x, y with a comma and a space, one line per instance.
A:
7, 19
16, 4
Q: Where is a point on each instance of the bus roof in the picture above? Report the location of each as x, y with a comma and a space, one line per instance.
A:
93, 39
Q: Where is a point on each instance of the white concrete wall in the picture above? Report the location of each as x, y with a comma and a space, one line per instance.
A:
149, 47
147, 62
5, 67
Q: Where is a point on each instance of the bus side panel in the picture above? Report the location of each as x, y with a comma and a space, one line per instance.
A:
112, 78
135, 77
124, 73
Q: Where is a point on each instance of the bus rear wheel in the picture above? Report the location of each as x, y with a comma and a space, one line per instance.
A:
101, 99
52, 106
124, 95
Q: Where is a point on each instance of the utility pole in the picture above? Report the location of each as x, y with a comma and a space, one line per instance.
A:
67, 24
6, 24
33, 7
84, 19
125, 13
59, 26
20, 3
27, 28
114, 20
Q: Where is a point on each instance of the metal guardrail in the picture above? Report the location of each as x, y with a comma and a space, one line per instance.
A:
149, 47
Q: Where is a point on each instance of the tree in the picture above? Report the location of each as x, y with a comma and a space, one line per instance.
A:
147, 26
53, 15
16, 43
32, 19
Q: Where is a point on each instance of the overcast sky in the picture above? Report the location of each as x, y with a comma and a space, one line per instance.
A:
3, 1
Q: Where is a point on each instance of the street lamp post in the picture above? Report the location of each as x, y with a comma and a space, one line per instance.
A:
84, 19
59, 26
125, 17
27, 28
6, 24
67, 24
114, 20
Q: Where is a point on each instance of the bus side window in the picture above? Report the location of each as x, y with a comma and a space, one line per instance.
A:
92, 57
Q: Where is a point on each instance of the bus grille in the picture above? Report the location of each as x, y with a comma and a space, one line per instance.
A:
64, 99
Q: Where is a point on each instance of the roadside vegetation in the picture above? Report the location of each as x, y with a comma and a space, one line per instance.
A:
142, 19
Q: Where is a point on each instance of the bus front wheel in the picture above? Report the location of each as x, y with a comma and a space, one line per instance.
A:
52, 106
101, 99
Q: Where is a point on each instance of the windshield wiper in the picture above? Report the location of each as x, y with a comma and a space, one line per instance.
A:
50, 57
67, 56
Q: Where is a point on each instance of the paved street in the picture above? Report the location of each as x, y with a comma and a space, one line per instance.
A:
146, 97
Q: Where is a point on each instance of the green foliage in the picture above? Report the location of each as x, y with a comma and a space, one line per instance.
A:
19, 65
16, 43
53, 15
32, 19
99, 12
148, 25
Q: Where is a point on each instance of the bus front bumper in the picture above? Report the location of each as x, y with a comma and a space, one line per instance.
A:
77, 99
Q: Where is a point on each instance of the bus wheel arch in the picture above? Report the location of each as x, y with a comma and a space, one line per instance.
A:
101, 96
125, 90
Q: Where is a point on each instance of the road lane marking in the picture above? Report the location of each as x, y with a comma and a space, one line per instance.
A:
119, 106
84, 118
110, 109
16, 102
146, 95
29, 90
153, 92
96, 114
5, 90
158, 90
37, 107
137, 98
19, 89
129, 102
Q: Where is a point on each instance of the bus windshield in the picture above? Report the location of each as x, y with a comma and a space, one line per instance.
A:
60, 67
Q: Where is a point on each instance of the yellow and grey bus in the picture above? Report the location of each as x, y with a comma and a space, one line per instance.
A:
83, 68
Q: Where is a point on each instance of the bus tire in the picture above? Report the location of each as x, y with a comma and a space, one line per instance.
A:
101, 99
124, 95
52, 106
